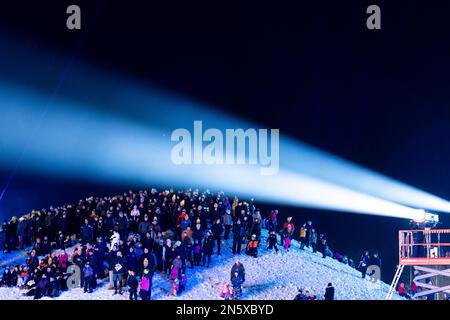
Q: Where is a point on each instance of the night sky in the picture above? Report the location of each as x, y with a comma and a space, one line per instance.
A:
311, 68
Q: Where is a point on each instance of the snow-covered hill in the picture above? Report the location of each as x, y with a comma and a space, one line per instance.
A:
270, 276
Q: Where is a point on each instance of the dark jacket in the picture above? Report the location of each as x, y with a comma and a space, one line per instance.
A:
132, 283
87, 232
329, 293
119, 265
217, 230
208, 245
239, 268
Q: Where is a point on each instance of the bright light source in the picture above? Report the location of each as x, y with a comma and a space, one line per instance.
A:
426, 217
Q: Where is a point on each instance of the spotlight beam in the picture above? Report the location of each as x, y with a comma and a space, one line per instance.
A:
77, 142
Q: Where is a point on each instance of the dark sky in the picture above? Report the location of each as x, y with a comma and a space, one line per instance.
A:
311, 68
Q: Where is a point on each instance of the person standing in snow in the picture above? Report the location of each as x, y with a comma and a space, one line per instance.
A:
272, 240
313, 240
217, 231
303, 231
238, 236
364, 263
287, 236
118, 272
146, 281
208, 248
132, 283
329, 292
228, 222
252, 246
88, 274
239, 268
286, 225
236, 283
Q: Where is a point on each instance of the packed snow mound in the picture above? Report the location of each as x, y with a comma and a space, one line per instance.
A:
270, 276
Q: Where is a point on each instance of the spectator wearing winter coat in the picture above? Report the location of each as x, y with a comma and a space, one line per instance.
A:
198, 234
3, 242
146, 281
272, 241
287, 237
88, 277
256, 228
309, 227
186, 246
272, 222
300, 296
118, 272
185, 223
182, 285
313, 240
135, 213
132, 260
197, 250
402, 291
110, 258
252, 246
132, 284
122, 225
33, 260
41, 287
238, 236
86, 232
217, 230
62, 223
13, 224
167, 256
144, 226
239, 268
62, 261
329, 292
364, 263
22, 231
303, 231
208, 248
176, 268
46, 247
228, 222
7, 279
236, 283
375, 260
285, 227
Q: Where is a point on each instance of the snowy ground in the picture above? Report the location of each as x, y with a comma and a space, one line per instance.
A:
270, 276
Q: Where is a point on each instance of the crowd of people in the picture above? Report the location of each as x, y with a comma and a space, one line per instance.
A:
125, 239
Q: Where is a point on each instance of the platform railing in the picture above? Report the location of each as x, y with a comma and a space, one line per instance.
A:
425, 244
